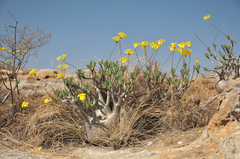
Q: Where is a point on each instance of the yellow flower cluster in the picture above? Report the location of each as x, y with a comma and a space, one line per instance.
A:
61, 58
184, 52
3, 48
9, 51
124, 60
173, 47
50, 100
207, 17
63, 67
33, 72
153, 45
121, 36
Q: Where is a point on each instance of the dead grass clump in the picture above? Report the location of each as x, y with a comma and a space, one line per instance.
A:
187, 112
50, 126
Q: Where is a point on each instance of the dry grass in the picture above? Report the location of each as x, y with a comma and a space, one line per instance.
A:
143, 116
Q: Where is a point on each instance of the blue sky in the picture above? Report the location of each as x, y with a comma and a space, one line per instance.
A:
84, 29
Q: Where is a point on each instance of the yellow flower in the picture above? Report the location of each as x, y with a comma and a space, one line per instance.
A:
33, 72
172, 48
124, 60
180, 50
159, 42
129, 52
61, 58
13, 53
207, 17
82, 96
145, 54
173, 44
9, 51
39, 148
45, 100
122, 35
60, 75
17, 50
64, 57
7, 59
116, 39
186, 52
188, 44
60, 67
182, 45
50, 100
135, 45
18, 55
197, 62
144, 43
154, 46
25, 51
64, 66
24, 104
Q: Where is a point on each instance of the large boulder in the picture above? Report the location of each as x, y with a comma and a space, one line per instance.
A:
222, 135
47, 73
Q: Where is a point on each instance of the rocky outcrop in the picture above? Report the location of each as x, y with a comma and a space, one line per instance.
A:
47, 73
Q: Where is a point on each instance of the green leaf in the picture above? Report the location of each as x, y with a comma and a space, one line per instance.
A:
17, 81
176, 82
186, 80
206, 54
228, 36
109, 83
173, 72
100, 62
222, 55
95, 78
169, 80
80, 73
102, 72
134, 89
87, 87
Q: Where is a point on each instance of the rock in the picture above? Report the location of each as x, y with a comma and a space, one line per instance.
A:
223, 131
47, 73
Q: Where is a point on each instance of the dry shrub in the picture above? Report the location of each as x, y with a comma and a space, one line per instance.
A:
50, 126
186, 111
142, 116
